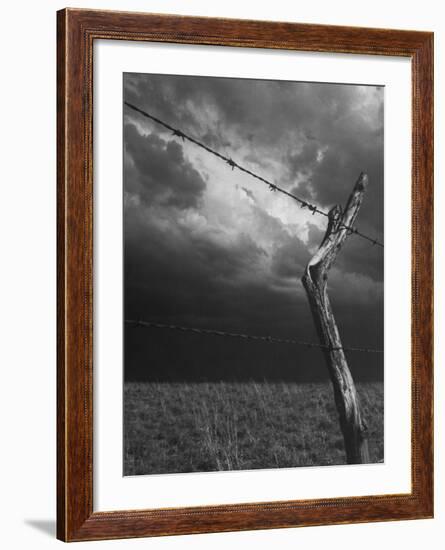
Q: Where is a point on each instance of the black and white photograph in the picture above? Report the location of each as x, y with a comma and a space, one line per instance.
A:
221, 235
253, 274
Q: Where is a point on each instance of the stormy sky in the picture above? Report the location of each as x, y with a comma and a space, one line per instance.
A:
210, 247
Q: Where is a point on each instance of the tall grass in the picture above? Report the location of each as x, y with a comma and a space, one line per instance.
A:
199, 427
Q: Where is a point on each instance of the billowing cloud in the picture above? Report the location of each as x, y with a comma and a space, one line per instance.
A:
210, 247
158, 172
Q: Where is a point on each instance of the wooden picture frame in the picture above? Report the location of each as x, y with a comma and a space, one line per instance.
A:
77, 31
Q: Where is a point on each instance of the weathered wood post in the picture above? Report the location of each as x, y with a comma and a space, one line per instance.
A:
314, 280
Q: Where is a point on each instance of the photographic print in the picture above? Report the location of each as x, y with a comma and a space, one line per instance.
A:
253, 274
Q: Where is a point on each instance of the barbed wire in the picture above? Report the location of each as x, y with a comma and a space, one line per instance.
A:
267, 339
272, 186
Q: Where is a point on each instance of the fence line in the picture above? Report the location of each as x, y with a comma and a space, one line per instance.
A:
272, 186
267, 339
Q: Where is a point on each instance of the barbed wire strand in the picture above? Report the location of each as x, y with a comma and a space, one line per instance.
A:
267, 339
272, 186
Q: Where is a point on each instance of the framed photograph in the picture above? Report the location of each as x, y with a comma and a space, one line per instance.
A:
245, 229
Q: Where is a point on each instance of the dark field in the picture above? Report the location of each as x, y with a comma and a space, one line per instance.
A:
202, 427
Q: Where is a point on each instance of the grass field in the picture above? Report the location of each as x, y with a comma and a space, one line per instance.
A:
201, 427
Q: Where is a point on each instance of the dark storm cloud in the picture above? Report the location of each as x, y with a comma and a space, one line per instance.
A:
183, 267
193, 279
293, 122
158, 172
355, 257
333, 178
290, 258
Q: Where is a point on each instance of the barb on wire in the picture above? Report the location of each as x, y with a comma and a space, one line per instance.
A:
268, 339
233, 164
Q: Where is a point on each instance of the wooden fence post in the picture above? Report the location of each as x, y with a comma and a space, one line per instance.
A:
314, 280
